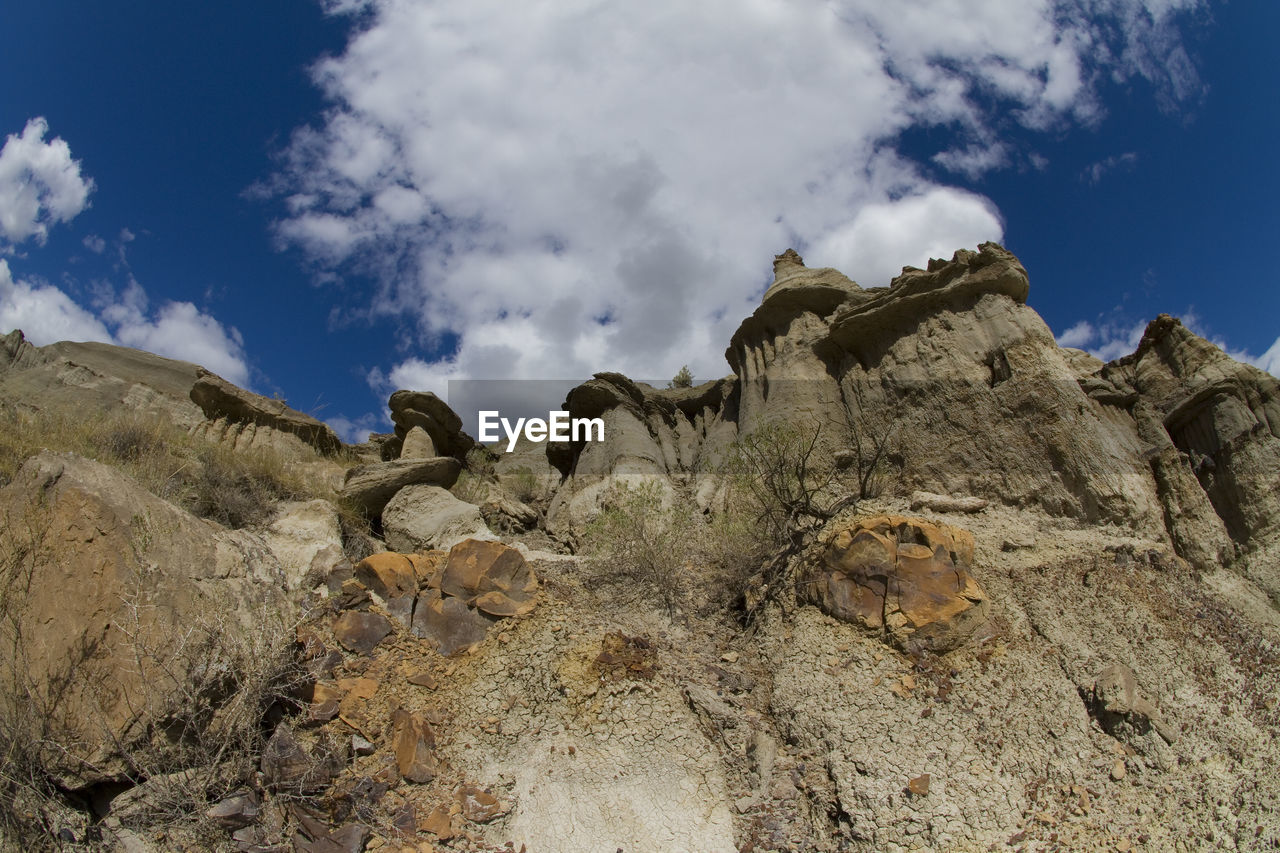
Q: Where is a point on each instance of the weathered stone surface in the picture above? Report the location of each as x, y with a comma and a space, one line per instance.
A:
414, 742
417, 445
919, 786
422, 517
478, 805
371, 486
905, 578
359, 631
448, 623
1223, 418
240, 809
1121, 708
946, 503
218, 398
101, 544
96, 377
429, 413
491, 577
288, 766
388, 574
301, 532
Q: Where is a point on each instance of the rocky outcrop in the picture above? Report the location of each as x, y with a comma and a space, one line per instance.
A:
649, 435
114, 575
905, 579
222, 401
433, 416
94, 377
1223, 418
370, 487
422, 517
300, 532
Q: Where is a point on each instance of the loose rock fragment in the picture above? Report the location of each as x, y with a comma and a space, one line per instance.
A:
413, 742
361, 632
919, 786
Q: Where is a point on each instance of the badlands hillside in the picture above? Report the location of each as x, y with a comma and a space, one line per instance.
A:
912, 577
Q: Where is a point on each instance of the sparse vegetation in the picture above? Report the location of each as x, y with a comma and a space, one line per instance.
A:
789, 479
209, 688
232, 487
682, 379
643, 537
523, 483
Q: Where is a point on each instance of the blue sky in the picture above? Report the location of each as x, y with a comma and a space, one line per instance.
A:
330, 200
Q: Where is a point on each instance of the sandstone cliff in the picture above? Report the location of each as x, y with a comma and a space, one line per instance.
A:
1031, 603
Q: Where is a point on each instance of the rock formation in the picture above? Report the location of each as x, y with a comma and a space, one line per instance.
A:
1036, 608
223, 402
903, 578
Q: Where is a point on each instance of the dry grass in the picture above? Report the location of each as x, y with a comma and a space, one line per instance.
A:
235, 488
212, 691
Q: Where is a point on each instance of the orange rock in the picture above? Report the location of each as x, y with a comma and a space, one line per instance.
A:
438, 823
429, 567
478, 806
413, 742
919, 786
904, 577
388, 574
491, 577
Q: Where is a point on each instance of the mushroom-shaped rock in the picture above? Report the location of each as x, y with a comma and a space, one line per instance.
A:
433, 416
490, 576
905, 578
371, 486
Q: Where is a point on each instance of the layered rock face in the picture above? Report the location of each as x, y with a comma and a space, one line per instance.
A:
973, 399
1215, 427
98, 377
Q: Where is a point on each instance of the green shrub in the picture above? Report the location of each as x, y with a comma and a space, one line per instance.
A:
642, 539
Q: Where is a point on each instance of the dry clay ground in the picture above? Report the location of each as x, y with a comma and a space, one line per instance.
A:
600, 724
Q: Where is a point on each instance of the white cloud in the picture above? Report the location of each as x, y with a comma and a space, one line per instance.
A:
1108, 339
40, 184
1270, 360
44, 313
178, 330
1094, 172
573, 187
355, 430
1077, 336
886, 235
95, 244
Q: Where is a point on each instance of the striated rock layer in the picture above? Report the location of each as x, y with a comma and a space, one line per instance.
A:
972, 398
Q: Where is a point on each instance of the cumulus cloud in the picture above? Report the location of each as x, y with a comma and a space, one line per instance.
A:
46, 314
544, 190
1108, 339
40, 185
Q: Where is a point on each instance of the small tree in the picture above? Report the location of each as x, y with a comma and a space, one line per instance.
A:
682, 379
793, 482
